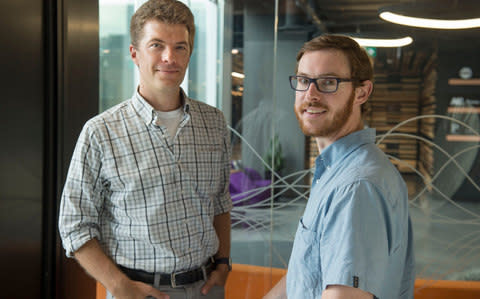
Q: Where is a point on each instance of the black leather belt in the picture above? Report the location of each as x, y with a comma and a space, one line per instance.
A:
175, 279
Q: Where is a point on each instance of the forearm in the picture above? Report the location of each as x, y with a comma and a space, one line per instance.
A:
279, 291
345, 292
93, 259
222, 224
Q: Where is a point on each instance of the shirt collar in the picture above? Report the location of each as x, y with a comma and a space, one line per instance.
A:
345, 145
147, 112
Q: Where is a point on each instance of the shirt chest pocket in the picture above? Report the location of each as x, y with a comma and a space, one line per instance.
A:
307, 254
306, 244
308, 236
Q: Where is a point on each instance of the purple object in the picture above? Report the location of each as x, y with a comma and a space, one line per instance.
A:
245, 183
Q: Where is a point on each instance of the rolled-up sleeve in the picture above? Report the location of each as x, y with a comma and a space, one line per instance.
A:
82, 198
223, 203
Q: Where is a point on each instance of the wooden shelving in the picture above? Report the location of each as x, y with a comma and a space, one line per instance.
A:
467, 110
395, 99
428, 106
462, 138
464, 82
392, 103
463, 107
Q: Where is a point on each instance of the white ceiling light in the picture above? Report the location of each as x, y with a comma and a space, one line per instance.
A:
430, 23
376, 42
238, 75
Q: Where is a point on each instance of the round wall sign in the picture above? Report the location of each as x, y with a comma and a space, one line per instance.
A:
465, 72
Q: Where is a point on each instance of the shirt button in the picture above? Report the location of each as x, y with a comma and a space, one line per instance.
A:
317, 181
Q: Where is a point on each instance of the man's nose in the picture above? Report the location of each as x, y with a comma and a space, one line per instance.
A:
312, 93
168, 55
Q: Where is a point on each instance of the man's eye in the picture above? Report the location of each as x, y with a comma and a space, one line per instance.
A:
157, 46
303, 80
327, 82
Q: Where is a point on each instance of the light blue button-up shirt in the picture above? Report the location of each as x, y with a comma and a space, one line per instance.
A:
356, 229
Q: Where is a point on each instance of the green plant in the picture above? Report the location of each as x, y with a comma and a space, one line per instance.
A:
275, 150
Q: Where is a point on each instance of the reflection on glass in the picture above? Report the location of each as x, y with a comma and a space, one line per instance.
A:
117, 74
202, 74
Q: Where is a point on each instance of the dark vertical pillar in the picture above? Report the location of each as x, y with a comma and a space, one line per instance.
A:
78, 101
21, 148
49, 78
50, 143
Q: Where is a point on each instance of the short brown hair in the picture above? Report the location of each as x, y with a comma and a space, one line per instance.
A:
166, 11
360, 65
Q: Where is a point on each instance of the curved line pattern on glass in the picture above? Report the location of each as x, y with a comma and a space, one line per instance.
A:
465, 246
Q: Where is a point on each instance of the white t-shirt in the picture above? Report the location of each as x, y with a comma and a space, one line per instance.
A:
171, 120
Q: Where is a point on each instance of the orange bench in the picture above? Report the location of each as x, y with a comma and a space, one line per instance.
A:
252, 282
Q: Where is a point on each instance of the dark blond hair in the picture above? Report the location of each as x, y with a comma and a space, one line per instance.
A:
171, 12
360, 65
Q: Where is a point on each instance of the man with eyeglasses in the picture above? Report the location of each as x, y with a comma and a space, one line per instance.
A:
355, 238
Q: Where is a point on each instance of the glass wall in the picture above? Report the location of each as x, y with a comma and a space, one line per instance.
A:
425, 114
117, 73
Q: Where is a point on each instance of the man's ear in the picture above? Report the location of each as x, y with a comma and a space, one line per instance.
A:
363, 91
133, 54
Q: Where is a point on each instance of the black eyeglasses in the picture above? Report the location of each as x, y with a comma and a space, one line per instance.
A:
323, 84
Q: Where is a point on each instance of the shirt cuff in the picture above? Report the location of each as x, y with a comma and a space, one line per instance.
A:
75, 240
349, 279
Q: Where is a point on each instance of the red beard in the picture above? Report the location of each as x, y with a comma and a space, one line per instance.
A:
328, 127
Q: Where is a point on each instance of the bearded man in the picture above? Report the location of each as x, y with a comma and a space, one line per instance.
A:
355, 238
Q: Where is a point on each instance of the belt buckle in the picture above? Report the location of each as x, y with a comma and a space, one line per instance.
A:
204, 272
173, 282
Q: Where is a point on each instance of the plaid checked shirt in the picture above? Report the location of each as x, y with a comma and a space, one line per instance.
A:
151, 204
